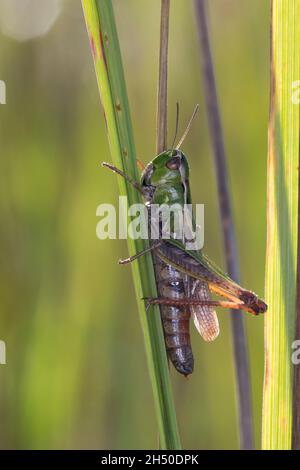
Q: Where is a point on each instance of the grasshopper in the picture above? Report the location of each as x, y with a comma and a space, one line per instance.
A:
185, 278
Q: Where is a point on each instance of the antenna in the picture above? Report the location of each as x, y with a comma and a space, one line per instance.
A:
187, 127
176, 125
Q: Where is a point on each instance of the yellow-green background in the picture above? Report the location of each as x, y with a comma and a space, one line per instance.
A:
76, 374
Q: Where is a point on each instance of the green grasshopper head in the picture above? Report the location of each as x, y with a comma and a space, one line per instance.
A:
165, 179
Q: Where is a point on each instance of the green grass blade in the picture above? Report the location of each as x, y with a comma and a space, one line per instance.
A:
109, 71
282, 224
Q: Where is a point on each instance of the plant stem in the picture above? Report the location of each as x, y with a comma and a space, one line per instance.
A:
110, 76
282, 225
162, 98
296, 382
230, 247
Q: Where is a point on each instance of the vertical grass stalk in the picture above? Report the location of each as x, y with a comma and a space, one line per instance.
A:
162, 98
230, 246
109, 72
296, 380
282, 224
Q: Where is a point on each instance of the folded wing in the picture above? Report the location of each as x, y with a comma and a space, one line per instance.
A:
205, 317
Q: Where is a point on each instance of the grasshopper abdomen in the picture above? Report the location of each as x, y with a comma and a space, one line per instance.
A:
175, 319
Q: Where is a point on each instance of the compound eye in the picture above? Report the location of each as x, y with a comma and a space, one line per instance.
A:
173, 163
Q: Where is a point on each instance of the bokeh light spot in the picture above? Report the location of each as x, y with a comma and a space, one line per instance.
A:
28, 19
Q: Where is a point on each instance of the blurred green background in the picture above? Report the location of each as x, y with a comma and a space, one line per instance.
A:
76, 374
